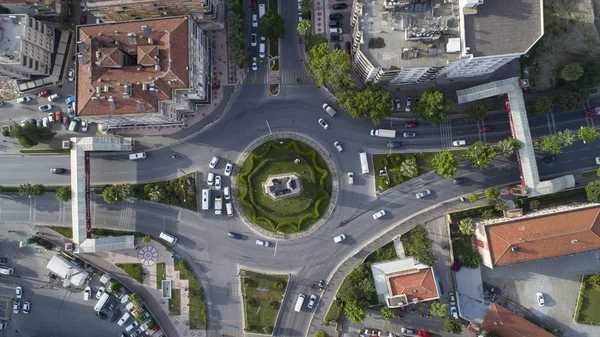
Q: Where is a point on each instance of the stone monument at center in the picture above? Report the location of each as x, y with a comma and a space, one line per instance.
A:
283, 185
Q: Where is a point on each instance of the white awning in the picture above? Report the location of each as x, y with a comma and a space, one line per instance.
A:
61, 267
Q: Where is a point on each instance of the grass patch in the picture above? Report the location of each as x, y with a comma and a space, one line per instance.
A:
68, 232
555, 199
334, 313
292, 214
274, 52
262, 295
198, 318
175, 302
589, 301
45, 151
64, 231
160, 274
132, 269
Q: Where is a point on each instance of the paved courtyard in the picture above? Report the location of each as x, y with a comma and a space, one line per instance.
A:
558, 279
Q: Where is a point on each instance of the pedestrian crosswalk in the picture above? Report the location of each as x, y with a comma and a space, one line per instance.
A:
287, 76
445, 133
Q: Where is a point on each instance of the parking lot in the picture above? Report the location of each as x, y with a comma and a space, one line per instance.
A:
55, 311
557, 278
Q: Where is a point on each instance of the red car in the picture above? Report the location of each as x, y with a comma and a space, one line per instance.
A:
254, 4
485, 129
348, 47
410, 125
424, 334
44, 93
83, 19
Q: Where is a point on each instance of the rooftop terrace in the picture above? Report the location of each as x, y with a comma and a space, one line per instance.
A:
9, 43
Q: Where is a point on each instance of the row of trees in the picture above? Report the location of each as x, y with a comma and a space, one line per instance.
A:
556, 143
62, 193
30, 134
567, 101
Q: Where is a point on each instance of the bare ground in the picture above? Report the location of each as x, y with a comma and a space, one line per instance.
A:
571, 34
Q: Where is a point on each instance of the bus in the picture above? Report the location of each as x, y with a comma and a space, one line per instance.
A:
102, 302
364, 164
205, 199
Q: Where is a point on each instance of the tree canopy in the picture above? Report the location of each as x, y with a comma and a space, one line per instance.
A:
550, 144
31, 135
593, 191
571, 72
372, 101
305, 27
587, 134
466, 226
330, 69
64, 193
111, 194
481, 155
542, 105
452, 325
508, 146
492, 193
445, 164
420, 245
478, 111
572, 100
272, 25
433, 106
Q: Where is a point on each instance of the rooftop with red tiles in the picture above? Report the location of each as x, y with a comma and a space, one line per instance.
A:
507, 324
415, 283
137, 63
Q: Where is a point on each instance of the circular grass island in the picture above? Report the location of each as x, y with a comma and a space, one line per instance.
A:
284, 186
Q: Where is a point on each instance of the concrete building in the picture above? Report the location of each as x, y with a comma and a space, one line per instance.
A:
142, 73
26, 47
398, 42
33, 7
204, 11
399, 283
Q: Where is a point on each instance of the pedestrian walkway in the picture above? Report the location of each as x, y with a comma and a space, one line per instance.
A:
445, 133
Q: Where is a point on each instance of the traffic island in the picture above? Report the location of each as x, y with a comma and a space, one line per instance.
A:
262, 295
273, 206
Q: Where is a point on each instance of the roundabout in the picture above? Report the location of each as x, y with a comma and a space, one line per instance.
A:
284, 185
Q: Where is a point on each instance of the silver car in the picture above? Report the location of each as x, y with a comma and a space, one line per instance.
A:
423, 194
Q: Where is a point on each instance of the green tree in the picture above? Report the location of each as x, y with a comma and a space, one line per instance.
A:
420, 245
566, 138
470, 258
372, 101
64, 193
592, 75
321, 333
473, 197
330, 69
5, 132
146, 239
311, 41
31, 135
438, 308
542, 105
306, 6
452, 325
111, 194
115, 287
354, 313
487, 214
500, 205
358, 286
445, 164
467, 226
304, 27
477, 111
492, 193
272, 25
387, 313
409, 168
26, 190
587, 133
124, 191
551, 144
508, 146
433, 106
534, 204
135, 299
481, 155
38, 190
571, 72
151, 325
593, 191
572, 100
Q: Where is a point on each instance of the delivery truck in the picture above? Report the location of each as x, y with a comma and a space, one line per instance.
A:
218, 205
261, 10
384, 133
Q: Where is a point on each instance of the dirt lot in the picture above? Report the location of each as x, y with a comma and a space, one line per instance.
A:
571, 33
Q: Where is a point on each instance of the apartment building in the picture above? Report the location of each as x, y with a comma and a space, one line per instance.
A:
399, 42
204, 11
142, 73
26, 47
33, 7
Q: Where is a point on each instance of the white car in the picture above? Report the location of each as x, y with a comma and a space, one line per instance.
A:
409, 135
210, 180
84, 125
50, 117
254, 64
45, 122
16, 307
213, 162
87, 293
45, 107
24, 99
350, 178
407, 330
19, 292
217, 181
452, 299
71, 75
338, 146
339, 238
26, 307
253, 40
254, 20
100, 292
540, 299
378, 214
597, 160
459, 142
408, 107
454, 312
323, 123
262, 243
131, 326
228, 169
311, 301
423, 194
227, 192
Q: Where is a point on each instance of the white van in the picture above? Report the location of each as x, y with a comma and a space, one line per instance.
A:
168, 237
136, 156
299, 303
105, 279
4, 270
229, 208
261, 51
211, 179
72, 126
335, 31
124, 319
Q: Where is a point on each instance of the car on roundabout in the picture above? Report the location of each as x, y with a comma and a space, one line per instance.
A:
540, 299
338, 146
339, 238
378, 214
262, 243
228, 169
350, 178
323, 123
423, 194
